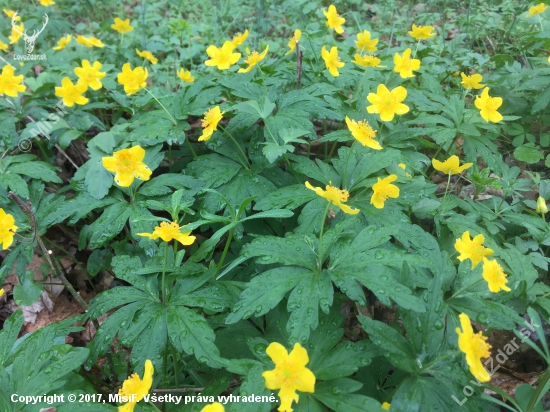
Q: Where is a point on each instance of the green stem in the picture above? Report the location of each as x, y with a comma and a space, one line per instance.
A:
415, 50
165, 109
225, 249
319, 262
292, 169
446, 151
344, 181
361, 84
445, 195
190, 147
465, 289
163, 289
153, 405
238, 146
540, 386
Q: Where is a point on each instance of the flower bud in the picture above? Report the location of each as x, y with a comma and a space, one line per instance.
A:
541, 205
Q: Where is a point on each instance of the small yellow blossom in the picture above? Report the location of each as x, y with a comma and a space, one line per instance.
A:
541, 205
539, 8
404, 167
169, 231
334, 21
7, 230
382, 190
239, 39
386, 406
363, 132
10, 85
421, 32
364, 42
475, 347
494, 275
46, 2
472, 82
135, 389
10, 14
295, 39
404, 65
63, 42
450, 166
3, 46
127, 164
185, 76
210, 123
122, 26
253, 59
132, 80
214, 407
16, 33
387, 103
90, 76
335, 196
147, 55
472, 249
290, 374
2, 291
332, 61
222, 57
71, 93
488, 106
366, 60
89, 41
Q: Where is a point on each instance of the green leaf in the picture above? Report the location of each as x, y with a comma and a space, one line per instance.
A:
336, 394
528, 153
108, 225
36, 170
344, 360
273, 151
105, 141
493, 314
98, 180
9, 333
253, 107
213, 169
288, 196
15, 183
292, 250
395, 347
28, 291
541, 101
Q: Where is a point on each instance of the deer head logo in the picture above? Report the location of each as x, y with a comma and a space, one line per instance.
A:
30, 40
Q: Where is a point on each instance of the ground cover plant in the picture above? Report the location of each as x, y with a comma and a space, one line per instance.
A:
274, 205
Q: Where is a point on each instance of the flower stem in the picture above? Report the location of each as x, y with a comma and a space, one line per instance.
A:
190, 147
163, 289
319, 257
165, 109
445, 195
238, 146
415, 50
225, 249
153, 405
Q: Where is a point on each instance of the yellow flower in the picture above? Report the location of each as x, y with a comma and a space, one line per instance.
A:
387, 103
132, 80
2, 291
89, 41
3, 46
421, 32
15, 33
382, 190
290, 374
488, 106
214, 407
147, 55
472, 249
10, 14
541, 205
7, 230
46, 2
363, 132
366, 60
364, 42
71, 93
332, 61
135, 389
90, 76
386, 406
334, 196
334, 21
539, 8
404, 65
253, 59
295, 39
494, 275
63, 42
127, 164
473, 81
450, 166
210, 122
168, 231
10, 85
404, 167
239, 39
122, 26
475, 347
222, 57
185, 76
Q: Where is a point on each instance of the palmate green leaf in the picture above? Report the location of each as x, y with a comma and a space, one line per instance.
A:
265, 291
28, 291
310, 219
528, 153
337, 395
273, 151
98, 180
253, 383
9, 333
318, 171
344, 360
161, 185
37, 170
394, 346
288, 197
493, 314
107, 226
15, 183
213, 169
